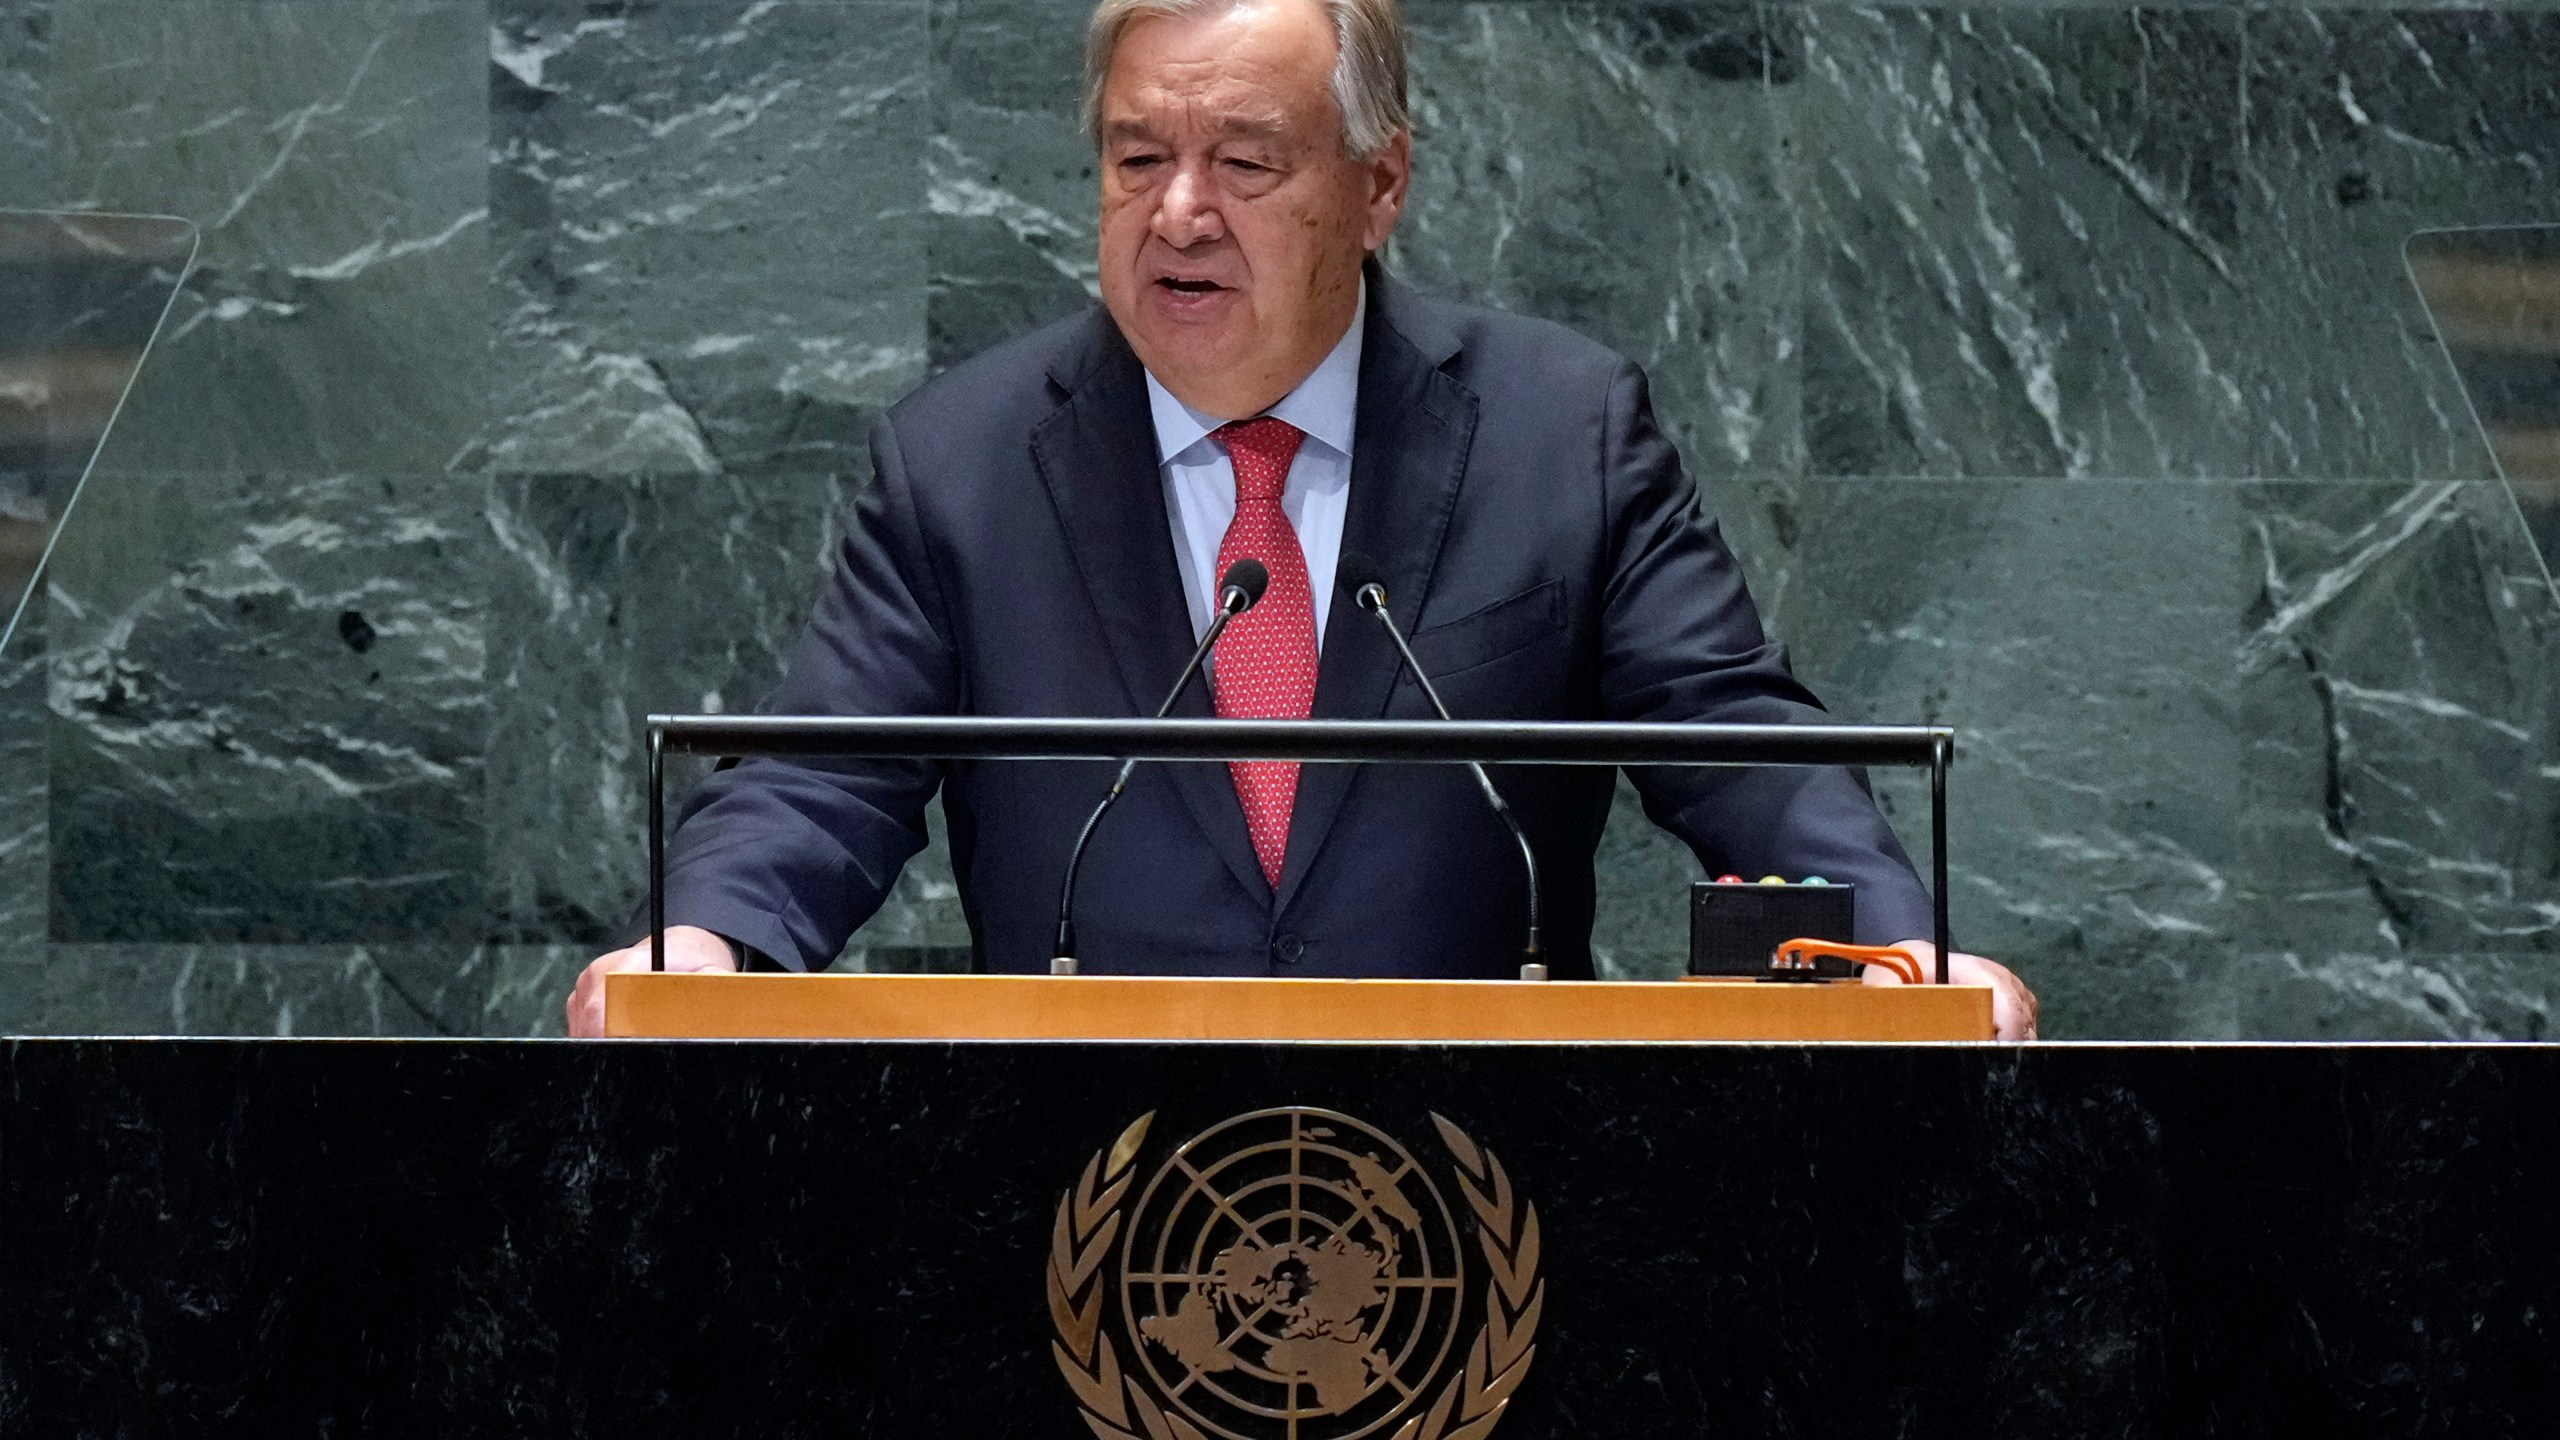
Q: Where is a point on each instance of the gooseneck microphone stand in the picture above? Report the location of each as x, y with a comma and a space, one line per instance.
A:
1360, 576
1239, 590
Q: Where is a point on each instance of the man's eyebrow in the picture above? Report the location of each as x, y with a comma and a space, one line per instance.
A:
1253, 127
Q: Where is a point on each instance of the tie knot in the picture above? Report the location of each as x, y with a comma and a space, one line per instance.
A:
1261, 450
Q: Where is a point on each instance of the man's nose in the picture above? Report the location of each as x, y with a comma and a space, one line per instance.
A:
1188, 213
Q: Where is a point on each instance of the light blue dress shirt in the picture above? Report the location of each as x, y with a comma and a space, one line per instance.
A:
1200, 482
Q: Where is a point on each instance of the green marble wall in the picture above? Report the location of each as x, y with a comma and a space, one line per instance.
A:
2052, 368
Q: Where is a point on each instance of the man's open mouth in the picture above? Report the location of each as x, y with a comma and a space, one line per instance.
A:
1190, 287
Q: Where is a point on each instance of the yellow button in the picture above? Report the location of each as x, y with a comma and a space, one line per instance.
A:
1773, 879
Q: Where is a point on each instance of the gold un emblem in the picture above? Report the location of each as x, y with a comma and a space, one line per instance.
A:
1294, 1274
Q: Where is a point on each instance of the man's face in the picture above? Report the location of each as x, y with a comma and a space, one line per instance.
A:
1233, 223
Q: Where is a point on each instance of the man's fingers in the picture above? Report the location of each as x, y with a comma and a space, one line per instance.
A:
581, 1001
2013, 1005
586, 999
2011, 1022
689, 948
2015, 1011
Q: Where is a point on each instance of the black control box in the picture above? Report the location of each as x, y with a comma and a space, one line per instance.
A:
1735, 928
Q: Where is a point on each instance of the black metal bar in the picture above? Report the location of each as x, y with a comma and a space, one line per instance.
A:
1940, 754
657, 848
978, 737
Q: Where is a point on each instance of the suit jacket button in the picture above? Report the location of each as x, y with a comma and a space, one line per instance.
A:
1287, 948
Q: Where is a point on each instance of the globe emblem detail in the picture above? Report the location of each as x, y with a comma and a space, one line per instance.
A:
1294, 1274
1292, 1265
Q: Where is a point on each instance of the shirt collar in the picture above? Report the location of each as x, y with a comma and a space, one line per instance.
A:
1325, 405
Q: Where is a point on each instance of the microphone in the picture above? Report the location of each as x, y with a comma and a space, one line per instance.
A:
1359, 577
1239, 590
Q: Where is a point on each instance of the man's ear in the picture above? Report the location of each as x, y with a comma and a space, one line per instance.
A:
1390, 175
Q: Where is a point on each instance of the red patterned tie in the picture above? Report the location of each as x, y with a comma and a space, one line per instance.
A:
1267, 659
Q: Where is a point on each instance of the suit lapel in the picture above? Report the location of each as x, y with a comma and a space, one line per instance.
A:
1409, 452
1097, 455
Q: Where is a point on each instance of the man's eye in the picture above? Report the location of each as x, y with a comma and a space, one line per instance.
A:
1248, 167
1138, 162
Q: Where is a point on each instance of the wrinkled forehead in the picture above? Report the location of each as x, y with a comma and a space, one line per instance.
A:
1244, 72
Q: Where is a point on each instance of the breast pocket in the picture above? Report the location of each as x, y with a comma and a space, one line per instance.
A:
1497, 632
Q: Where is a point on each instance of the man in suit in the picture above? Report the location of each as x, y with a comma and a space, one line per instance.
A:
1049, 520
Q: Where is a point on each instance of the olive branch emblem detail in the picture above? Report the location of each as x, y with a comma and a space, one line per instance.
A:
1499, 1359
1116, 1403
1088, 1221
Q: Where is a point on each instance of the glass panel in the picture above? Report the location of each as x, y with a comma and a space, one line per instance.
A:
2494, 294
81, 297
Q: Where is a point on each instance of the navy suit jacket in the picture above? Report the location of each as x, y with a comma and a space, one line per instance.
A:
1542, 546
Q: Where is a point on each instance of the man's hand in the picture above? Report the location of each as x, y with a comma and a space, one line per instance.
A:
689, 947
2013, 1005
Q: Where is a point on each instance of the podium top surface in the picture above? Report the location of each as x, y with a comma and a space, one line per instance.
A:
642, 1005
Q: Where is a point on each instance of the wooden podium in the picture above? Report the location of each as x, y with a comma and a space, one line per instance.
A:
642, 1005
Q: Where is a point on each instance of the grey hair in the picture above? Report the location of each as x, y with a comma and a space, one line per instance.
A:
1368, 66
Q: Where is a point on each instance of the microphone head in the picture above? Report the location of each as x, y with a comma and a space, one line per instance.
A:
1361, 579
1246, 579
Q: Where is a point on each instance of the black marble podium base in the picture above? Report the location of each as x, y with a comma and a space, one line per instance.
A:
394, 1238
